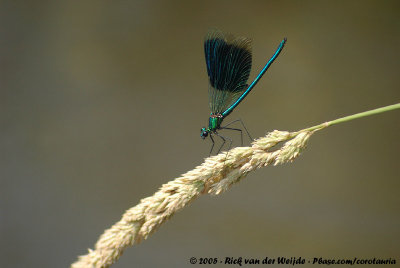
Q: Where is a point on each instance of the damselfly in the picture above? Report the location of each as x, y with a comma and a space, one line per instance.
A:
228, 61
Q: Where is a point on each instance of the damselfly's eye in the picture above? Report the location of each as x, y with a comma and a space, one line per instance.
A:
204, 134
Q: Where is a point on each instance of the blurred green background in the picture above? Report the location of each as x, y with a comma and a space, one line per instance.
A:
102, 102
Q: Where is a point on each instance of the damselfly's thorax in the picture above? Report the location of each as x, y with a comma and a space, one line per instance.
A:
214, 123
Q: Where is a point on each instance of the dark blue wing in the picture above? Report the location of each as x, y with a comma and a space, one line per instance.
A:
228, 61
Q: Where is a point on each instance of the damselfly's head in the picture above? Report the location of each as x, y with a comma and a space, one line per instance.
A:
204, 133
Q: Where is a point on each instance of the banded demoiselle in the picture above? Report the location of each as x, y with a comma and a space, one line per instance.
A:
228, 61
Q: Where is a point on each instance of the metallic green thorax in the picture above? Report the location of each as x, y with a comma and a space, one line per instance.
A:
214, 122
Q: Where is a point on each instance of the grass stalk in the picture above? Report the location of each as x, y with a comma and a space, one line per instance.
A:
216, 175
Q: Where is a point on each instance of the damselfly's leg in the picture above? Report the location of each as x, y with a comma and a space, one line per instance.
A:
224, 139
213, 143
236, 129
239, 120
